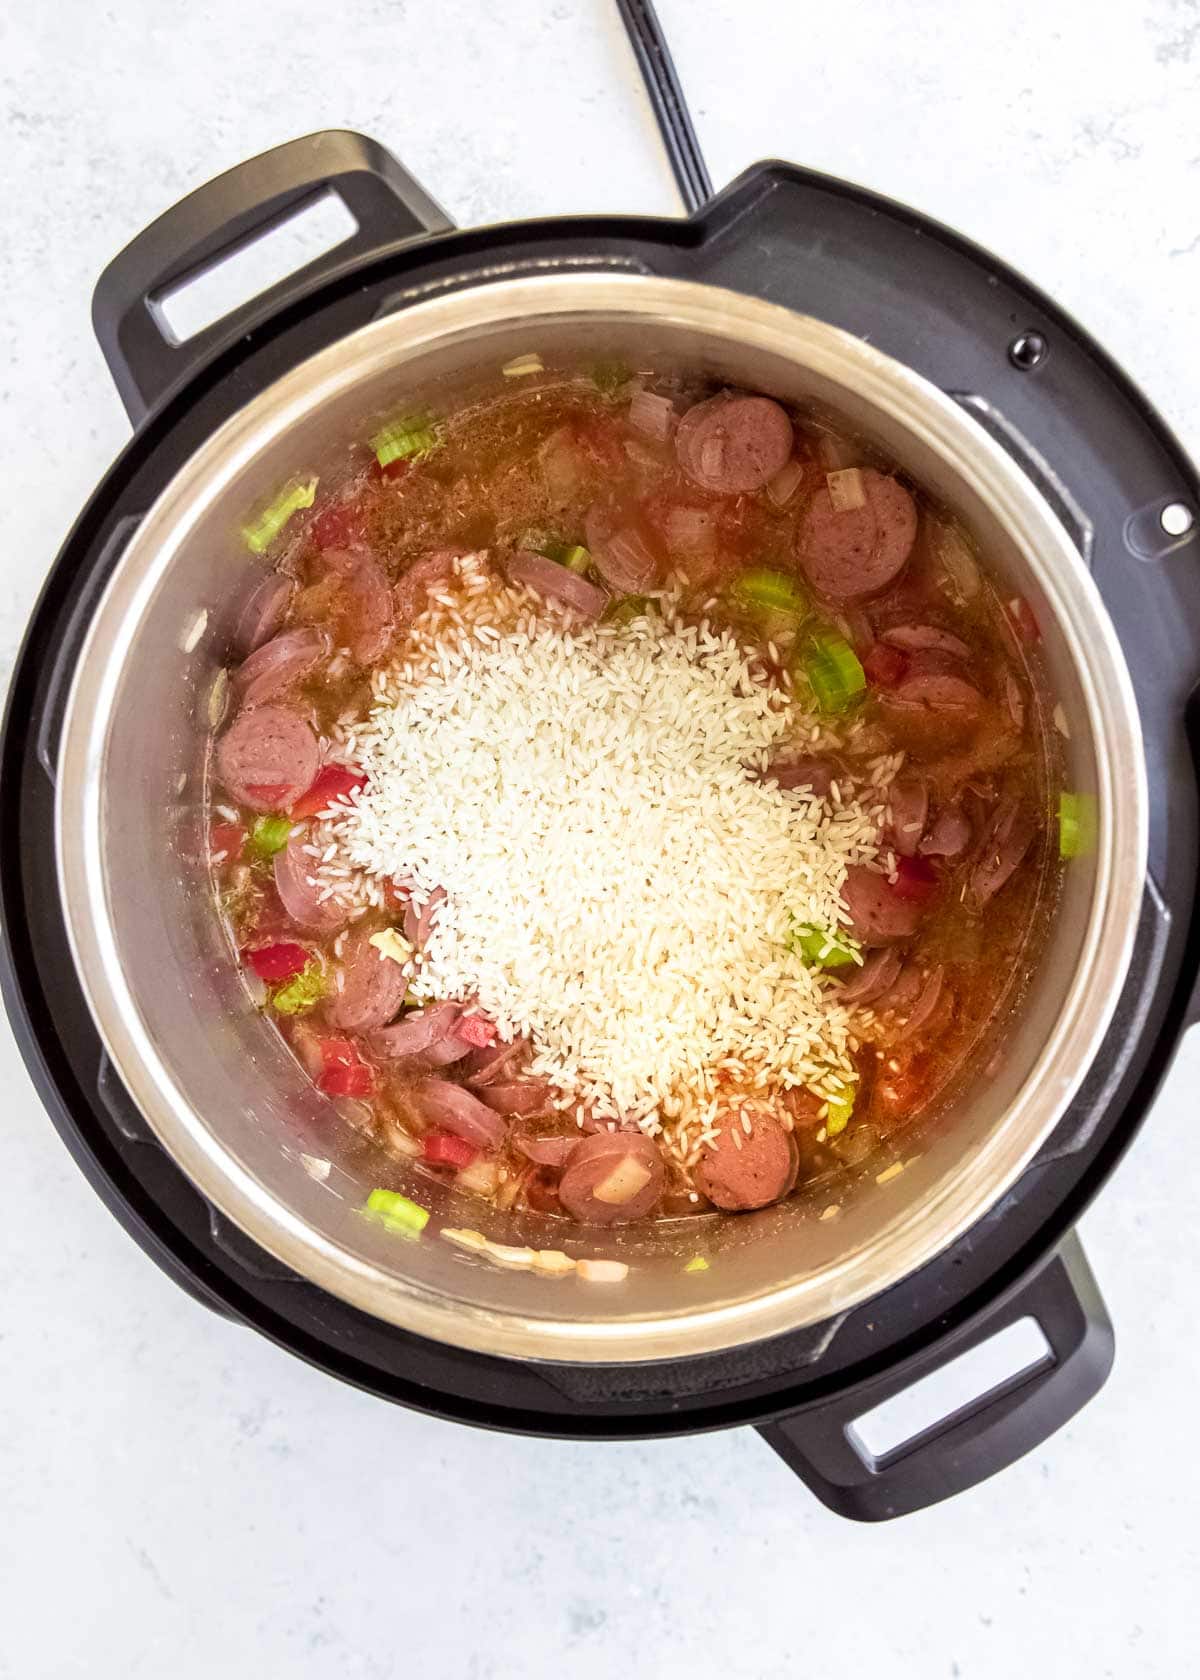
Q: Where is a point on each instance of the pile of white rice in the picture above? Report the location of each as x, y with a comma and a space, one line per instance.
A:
619, 886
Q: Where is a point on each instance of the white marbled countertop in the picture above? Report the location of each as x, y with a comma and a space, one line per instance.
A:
179, 1498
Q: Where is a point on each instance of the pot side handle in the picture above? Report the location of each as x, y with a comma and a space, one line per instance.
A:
225, 216
978, 1438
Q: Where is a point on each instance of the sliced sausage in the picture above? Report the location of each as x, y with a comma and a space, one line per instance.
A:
418, 923
366, 611
849, 556
263, 613
923, 1007
556, 582
1008, 838
733, 444
933, 707
949, 836
878, 913
440, 1103
369, 988
743, 1170
620, 551
267, 757
417, 1033
907, 813
612, 1178
878, 974
925, 638
411, 593
493, 1061
451, 1049
815, 774
516, 1096
283, 660
300, 890
545, 1151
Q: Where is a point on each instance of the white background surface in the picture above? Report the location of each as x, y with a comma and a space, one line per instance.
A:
178, 1498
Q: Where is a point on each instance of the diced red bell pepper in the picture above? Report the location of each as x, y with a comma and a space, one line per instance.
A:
344, 1073
225, 841
883, 665
274, 963
267, 793
335, 781
395, 896
443, 1149
338, 525
1021, 615
474, 1029
916, 879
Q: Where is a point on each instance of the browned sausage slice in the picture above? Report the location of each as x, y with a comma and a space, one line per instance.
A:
516, 1096
412, 592
300, 889
267, 757
278, 663
907, 813
417, 1033
263, 614
368, 987
442, 1104
1008, 838
620, 551
851, 555
878, 914
743, 1170
878, 974
815, 774
612, 1178
732, 444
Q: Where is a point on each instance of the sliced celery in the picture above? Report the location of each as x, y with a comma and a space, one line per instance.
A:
261, 532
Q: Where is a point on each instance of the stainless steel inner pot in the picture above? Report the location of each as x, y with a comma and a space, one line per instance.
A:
209, 1073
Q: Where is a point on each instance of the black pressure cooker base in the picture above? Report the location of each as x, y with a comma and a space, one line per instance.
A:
918, 292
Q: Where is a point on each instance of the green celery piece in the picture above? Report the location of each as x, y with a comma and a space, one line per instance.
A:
611, 377
628, 607
409, 438
262, 530
837, 1116
396, 1212
764, 589
821, 947
833, 671
269, 835
1077, 821
301, 992
696, 1264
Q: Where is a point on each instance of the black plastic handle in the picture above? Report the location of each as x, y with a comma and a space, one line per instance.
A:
227, 214
978, 1439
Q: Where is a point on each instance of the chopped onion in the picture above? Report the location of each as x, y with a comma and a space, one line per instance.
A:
691, 530
1059, 718
894, 1171
552, 1261
521, 366
602, 1271
846, 490
195, 627
316, 1167
652, 415
786, 482
627, 1178
962, 574
216, 701
836, 453
392, 945
481, 1176
696, 1264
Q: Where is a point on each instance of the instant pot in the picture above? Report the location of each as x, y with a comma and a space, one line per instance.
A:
177, 1099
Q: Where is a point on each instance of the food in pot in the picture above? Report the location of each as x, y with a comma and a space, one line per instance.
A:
634, 799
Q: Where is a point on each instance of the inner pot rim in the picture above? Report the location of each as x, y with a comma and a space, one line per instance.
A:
965, 1194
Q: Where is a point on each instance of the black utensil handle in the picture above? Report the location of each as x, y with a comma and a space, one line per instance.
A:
980, 1438
227, 214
